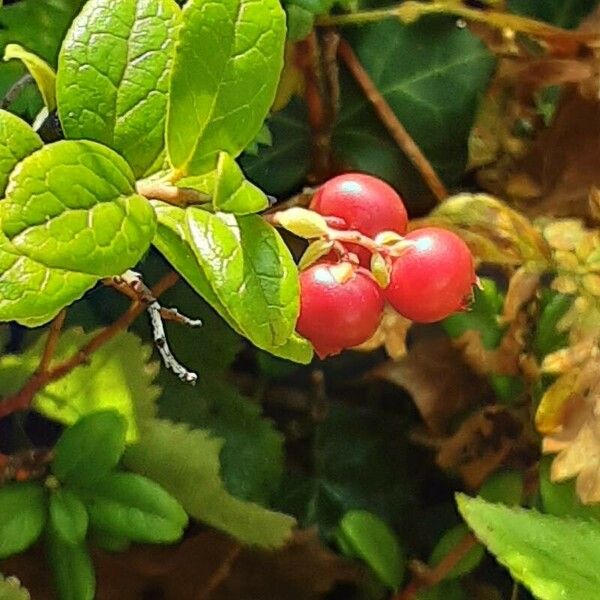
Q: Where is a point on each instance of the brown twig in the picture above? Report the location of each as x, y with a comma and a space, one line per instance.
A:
391, 121
39, 380
51, 341
167, 192
221, 572
433, 576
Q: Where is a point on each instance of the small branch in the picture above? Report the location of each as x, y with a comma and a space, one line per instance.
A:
167, 192
221, 573
38, 381
391, 121
14, 91
52, 340
431, 577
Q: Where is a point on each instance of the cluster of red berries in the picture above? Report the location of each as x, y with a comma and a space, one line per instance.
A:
341, 302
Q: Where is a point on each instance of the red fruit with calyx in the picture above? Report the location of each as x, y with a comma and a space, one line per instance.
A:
340, 306
433, 278
365, 204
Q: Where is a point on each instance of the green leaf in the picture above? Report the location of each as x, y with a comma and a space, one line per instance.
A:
73, 206
371, 539
302, 222
72, 568
68, 516
563, 13
432, 75
227, 64
42, 73
22, 516
503, 486
555, 558
447, 543
11, 589
118, 377
130, 506
17, 140
547, 338
108, 542
233, 193
186, 463
113, 76
91, 448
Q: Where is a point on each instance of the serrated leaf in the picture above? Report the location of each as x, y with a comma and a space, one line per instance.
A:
555, 558
495, 233
42, 73
17, 140
434, 93
22, 516
118, 376
113, 76
72, 567
68, 516
134, 507
371, 539
228, 58
186, 463
232, 192
11, 589
72, 206
302, 222
90, 448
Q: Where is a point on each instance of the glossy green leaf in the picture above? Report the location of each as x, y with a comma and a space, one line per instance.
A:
563, 13
554, 557
113, 76
42, 73
73, 206
22, 516
11, 589
446, 545
92, 447
17, 140
72, 567
186, 463
228, 59
432, 75
130, 506
68, 516
370, 538
233, 193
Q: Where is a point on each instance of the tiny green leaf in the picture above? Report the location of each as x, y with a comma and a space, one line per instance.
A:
42, 73
131, 506
554, 557
72, 567
10, 587
371, 539
113, 76
22, 516
92, 447
73, 206
17, 140
447, 543
232, 192
68, 516
314, 251
302, 222
225, 74
380, 270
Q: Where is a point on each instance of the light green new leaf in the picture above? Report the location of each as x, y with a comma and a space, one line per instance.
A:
43, 74
118, 377
113, 76
72, 206
130, 506
556, 558
22, 516
186, 463
11, 589
68, 516
227, 63
17, 140
233, 192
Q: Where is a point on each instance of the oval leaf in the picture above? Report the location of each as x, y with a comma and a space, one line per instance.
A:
22, 516
68, 516
72, 206
446, 545
227, 64
113, 76
302, 222
91, 448
130, 506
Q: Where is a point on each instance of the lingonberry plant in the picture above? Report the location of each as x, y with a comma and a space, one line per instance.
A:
196, 196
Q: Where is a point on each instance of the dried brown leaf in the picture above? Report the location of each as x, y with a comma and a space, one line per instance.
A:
391, 334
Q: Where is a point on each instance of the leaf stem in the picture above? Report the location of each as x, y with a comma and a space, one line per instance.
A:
391, 121
158, 189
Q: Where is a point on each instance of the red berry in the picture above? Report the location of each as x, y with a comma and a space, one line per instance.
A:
432, 279
340, 306
365, 203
